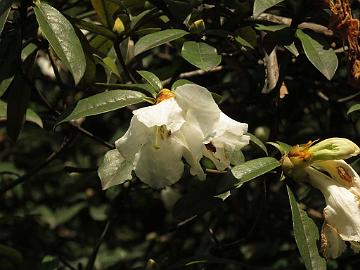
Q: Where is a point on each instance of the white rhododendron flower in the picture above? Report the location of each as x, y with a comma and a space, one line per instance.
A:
340, 185
183, 125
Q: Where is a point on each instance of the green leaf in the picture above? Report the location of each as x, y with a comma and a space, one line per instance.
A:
110, 64
254, 168
49, 263
10, 258
282, 147
31, 116
62, 38
306, 236
246, 36
353, 108
180, 82
102, 103
94, 28
262, 5
325, 60
257, 142
200, 55
19, 94
152, 79
4, 5
270, 28
105, 10
156, 39
3, 18
142, 87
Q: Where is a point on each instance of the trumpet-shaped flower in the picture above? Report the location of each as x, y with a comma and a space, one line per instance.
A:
340, 186
182, 125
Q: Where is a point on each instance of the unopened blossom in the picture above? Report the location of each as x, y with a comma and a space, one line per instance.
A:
323, 167
183, 125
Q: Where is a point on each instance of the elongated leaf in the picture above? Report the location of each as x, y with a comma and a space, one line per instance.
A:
246, 36
306, 236
262, 5
257, 142
200, 55
254, 168
103, 102
282, 147
158, 38
353, 108
4, 5
325, 60
19, 94
62, 38
152, 79
94, 28
3, 18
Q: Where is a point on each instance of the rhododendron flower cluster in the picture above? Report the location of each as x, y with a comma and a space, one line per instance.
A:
322, 166
184, 125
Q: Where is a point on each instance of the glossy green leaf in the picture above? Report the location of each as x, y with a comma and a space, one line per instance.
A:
158, 38
152, 79
254, 168
353, 108
102, 103
246, 36
62, 38
262, 5
180, 82
5, 5
282, 147
257, 142
110, 64
142, 87
94, 28
319, 53
3, 18
306, 236
200, 55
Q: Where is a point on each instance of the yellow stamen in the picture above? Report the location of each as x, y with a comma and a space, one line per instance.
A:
164, 94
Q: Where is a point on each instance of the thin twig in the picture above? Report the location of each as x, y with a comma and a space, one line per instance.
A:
91, 261
194, 73
92, 136
127, 72
318, 28
34, 171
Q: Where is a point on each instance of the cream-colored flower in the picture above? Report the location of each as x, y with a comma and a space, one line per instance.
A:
321, 165
185, 124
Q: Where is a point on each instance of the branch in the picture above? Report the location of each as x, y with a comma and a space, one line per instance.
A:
194, 73
318, 28
34, 171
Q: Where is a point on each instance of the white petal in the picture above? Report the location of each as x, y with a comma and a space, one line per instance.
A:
199, 106
166, 113
160, 167
191, 137
332, 246
114, 169
342, 211
134, 138
342, 172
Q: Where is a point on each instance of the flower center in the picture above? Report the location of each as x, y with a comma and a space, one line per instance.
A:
164, 94
161, 133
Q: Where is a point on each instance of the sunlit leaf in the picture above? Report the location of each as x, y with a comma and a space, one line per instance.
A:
4, 5
62, 38
319, 53
158, 38
306, 236
257, 142
105, 10
262, 5
354, 108
102, 103
3, 18
254, 168
200, 55
152, 79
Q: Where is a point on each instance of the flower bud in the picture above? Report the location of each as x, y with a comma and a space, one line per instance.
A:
334, 148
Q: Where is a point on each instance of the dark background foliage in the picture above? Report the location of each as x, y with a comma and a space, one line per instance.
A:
57, 216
